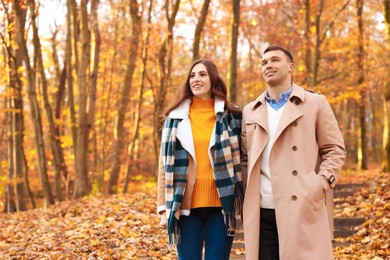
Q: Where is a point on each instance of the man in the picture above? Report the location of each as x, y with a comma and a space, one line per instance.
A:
293, 152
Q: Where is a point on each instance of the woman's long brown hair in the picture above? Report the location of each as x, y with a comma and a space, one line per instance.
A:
218, 88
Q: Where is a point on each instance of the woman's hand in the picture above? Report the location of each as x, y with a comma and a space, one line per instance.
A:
163, 220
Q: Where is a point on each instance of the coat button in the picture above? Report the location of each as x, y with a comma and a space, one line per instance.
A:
294, 123
294, 198
294, 148
295, 173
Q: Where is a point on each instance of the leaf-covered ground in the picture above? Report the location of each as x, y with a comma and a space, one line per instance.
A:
372, 238
126, 227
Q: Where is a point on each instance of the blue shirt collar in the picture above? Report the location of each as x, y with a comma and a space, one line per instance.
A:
283, 98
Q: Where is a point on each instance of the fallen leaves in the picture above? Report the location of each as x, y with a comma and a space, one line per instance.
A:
372, 238
127, 227
115, 227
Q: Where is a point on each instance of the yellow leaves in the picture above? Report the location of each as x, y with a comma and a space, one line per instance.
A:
366, 240
101, 220
94, 242
117, 207
313, 29
372, 239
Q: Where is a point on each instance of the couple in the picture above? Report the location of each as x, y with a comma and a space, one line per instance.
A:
285, 151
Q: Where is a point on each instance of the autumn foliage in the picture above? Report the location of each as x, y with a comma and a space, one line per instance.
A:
83, 86
127, 227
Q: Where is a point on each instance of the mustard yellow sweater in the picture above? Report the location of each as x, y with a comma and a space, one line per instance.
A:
202, 118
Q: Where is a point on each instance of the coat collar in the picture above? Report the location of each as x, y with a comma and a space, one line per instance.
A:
183, 110
184, 130
298, 93
259, 110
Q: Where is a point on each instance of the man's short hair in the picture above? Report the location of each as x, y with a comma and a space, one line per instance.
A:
278, 48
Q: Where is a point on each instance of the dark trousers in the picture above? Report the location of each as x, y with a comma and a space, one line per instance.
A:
269, 244
204, 227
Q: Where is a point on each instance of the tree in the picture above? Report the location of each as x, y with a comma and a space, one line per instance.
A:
140, 100
362, 103
55, 143
34, 106
16, 191
232, 74
199, 29
307, 35
165, 67
313, 66
125, 96
94, 75
82, 186
386, 103
71, 24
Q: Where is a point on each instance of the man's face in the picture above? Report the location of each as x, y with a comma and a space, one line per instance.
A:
276, 68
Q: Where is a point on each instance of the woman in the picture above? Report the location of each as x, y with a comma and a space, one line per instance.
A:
200, 180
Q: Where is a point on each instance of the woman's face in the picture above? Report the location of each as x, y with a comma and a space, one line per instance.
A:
200, 82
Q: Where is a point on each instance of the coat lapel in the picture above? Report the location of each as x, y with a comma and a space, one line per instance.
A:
291, 111
184, 129
258, 116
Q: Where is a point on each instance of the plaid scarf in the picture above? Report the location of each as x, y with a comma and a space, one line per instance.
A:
227, 170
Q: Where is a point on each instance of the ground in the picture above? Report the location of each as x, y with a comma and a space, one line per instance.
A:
127, 227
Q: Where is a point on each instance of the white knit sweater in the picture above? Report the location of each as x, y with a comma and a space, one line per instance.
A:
267, 197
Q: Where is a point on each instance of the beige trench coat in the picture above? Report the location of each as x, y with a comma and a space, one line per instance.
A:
308, 149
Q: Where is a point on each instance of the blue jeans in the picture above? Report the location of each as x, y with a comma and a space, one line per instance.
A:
204, 226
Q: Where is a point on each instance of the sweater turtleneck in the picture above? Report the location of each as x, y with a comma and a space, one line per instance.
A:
202, 118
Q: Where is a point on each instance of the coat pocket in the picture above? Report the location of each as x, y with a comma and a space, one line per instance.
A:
315, 187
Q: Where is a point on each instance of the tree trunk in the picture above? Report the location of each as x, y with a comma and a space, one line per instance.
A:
165, 63
54, 137
386, 103
106, 104
82, 186
35, 110
125, 97
16, 196
314, 70
199, 29
309, 71
317, 51
59, 99
139, 98
15, 190
70, 5
232, 74
362, 102
95, 69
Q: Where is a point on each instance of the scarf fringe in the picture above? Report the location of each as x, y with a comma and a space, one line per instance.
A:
173, 233
238, 205
230, 216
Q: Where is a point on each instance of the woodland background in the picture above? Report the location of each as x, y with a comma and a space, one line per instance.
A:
81, 99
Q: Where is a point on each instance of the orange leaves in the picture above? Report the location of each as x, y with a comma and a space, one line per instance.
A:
127, 227
372, 238
116, 227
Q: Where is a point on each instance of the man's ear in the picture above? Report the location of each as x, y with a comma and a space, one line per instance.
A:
291, 67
